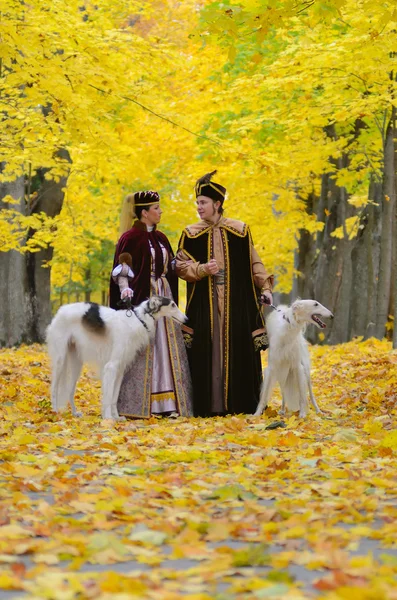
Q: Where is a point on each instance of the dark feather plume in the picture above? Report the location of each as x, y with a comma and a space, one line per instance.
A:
206, 178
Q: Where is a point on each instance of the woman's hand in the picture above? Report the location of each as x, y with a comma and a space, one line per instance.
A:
127, 293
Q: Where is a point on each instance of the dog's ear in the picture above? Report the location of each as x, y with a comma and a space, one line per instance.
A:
155, 304
297, 307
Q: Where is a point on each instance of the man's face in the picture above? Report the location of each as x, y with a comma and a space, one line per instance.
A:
207, 208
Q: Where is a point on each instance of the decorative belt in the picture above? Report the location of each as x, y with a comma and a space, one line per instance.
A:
220, 277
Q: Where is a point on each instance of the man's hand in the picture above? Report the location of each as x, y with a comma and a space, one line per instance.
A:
211, 268
127, 293
267, 297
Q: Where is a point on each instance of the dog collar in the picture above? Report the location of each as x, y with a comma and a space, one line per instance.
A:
141, 320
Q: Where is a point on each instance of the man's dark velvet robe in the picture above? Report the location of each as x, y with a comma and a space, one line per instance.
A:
242, 362
136, 242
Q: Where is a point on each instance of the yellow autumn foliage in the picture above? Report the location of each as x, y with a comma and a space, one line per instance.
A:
153, 94
201, 508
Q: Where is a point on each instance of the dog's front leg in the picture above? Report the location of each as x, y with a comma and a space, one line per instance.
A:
75, 412
116, 392
267, 386
110, 390
108, 381
312, 398
302, 392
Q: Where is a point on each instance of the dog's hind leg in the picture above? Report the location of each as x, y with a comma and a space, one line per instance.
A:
282, 411
57, 366
266, 390
58, 378
75, 365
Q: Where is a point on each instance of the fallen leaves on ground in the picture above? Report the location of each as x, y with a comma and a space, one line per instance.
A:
202, 508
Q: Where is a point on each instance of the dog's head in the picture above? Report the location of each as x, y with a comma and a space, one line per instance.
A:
310, 311
158, 307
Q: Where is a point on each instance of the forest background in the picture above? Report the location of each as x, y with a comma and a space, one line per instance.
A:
293, 102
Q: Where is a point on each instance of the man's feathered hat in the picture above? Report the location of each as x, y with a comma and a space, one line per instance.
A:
206, 187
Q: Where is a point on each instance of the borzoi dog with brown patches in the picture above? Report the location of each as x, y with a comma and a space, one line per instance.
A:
289, 360
86, 332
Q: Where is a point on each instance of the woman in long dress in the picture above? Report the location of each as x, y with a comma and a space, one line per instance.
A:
158, 382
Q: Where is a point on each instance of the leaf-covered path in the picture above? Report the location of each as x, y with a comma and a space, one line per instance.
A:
201, 509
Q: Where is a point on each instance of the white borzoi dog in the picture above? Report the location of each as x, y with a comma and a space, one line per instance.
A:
289, 360
86, 332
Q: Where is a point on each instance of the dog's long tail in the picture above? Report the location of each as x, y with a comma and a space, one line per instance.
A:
290, 391
59, 349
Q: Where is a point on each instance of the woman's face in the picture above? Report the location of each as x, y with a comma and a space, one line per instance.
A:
153, 214
207, 208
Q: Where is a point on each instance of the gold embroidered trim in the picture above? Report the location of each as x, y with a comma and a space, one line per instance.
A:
170, 350
261, 342
162, 396
236, 231
214, 187
181, 247
251, 245
211, 286
188, 254
191, 296
194, 235
188, 339
227, 315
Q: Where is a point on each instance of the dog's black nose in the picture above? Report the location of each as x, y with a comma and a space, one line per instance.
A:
331, 316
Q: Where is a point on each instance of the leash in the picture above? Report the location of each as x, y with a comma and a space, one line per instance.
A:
263, 302
130, 310
267, 302
126, 304
141, 320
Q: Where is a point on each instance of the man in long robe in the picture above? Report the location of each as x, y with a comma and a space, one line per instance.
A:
225, 333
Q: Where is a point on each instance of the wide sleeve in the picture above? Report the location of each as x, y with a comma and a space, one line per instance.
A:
188, 269
263, 280
125, 244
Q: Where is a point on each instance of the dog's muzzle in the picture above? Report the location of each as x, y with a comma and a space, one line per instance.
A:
319, 322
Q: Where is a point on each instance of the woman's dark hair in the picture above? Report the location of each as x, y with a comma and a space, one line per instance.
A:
139, 209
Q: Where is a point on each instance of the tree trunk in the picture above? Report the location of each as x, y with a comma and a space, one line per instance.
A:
332, 278
395, 238
388, 203
365, 261
25, 282
304, 258
87, 291
15, 310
